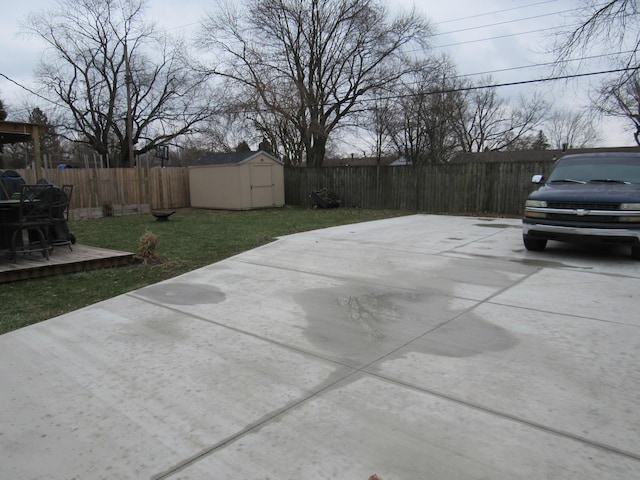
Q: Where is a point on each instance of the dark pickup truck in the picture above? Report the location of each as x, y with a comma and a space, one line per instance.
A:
587, 198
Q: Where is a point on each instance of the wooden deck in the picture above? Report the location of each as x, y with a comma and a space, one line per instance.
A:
62, 261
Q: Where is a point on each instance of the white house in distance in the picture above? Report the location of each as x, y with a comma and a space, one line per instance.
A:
401, 162
237, 181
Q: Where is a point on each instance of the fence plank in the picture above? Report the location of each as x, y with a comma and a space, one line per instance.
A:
490, 188
119, 191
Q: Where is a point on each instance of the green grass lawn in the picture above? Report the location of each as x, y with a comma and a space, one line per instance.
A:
191, 239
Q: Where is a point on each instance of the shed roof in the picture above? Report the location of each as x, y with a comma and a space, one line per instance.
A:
232, 158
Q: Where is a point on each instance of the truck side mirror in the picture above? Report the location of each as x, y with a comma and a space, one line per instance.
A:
537, 179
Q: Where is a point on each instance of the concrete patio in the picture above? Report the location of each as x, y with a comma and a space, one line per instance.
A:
421, 347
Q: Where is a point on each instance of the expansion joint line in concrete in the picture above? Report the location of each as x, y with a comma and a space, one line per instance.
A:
233, 438
524, 421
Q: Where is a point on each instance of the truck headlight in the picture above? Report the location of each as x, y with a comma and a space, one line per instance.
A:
539, 203
630, 206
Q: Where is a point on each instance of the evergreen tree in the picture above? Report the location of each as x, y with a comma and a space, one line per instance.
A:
49, 139
541, 142
243, 147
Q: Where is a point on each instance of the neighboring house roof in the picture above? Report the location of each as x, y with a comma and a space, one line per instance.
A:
232, 158
400, 162
357, 161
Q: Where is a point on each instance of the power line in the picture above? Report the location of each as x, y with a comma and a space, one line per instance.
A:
549, 79
454, 44
30, 90
451, 90
521, 7
506, 84
484, 87
537, 65
506, 22
497, 37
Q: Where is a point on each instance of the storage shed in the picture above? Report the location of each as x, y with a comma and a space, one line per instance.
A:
237, 181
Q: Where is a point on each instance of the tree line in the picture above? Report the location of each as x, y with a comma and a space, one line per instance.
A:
292, 77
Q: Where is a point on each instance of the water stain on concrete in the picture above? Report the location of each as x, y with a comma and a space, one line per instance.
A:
183, 294
368, 312
466, 337
353, 311
357, 322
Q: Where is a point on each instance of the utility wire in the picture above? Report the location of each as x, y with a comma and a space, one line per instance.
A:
537, 65
521, 7
455, 44
549, 79
32, 92
506, 22
453, 90
497, 37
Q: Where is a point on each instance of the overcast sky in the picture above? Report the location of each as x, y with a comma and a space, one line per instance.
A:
494, 37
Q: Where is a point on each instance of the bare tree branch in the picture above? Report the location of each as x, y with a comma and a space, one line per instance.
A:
311, 61
90, 44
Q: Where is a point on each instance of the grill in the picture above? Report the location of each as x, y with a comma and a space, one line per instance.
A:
584, 206
586, 218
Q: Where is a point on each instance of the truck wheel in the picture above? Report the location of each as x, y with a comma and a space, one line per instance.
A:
534, 244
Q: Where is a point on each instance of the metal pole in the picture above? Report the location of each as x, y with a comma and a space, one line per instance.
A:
35, 135
129, 126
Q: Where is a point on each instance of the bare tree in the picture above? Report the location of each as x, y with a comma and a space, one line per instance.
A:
380, 124
329, 53
283, 138
571, 129
121, 82
611, 28
486, 121
227, 127
422, 125
622, 101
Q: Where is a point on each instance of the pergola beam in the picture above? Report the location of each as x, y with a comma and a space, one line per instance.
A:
18, 132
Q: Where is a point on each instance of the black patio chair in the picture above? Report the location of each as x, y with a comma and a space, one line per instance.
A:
10, 182
27, 227
58, 232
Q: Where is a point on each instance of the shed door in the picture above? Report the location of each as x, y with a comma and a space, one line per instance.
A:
262, 185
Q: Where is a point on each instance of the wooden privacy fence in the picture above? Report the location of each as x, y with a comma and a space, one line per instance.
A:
496, 188
117, 191
491, 188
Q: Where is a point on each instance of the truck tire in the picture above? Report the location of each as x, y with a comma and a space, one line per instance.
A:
534, 244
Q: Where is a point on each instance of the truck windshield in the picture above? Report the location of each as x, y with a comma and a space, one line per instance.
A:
584, 170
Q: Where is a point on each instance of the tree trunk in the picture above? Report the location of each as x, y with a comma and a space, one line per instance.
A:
316, 151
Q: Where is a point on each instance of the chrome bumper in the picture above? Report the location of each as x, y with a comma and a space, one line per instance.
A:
578, 231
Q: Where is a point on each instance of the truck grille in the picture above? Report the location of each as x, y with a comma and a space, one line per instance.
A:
587, 218
584, 206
